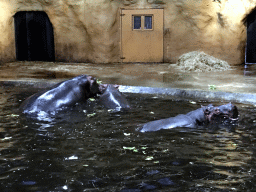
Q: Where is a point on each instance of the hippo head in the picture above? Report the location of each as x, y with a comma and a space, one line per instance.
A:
228, 111
111, 98
94, 86
103, 87
88, 84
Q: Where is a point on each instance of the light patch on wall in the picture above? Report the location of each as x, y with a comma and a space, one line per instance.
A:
4, 22
4, 10
235, 6
234, 10
143, 4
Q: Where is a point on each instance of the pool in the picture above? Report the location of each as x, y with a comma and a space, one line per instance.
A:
93, 149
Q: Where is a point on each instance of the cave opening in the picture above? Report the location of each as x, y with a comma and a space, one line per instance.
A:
250, 53
34, 37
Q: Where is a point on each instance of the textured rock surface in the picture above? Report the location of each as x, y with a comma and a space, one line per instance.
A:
89, 30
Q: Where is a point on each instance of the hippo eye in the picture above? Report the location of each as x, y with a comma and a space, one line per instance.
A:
206, 111
217, 110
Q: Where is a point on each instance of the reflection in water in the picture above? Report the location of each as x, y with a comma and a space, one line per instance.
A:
74, 151
224, 152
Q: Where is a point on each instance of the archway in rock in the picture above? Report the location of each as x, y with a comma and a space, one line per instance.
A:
250, 54
34, 37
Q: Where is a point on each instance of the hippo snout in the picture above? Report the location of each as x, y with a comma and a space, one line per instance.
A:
229, 110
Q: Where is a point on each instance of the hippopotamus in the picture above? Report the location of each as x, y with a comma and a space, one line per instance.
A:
113, 99
61, 95
202, 116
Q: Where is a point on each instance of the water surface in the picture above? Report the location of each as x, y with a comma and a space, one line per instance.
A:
97, 150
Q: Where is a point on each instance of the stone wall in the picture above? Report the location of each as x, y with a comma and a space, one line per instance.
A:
89, 30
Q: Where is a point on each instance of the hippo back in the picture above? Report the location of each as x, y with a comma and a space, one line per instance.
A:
64, 94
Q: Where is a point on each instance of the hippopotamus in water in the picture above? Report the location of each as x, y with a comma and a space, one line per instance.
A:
61, 95
113, 99
193, 119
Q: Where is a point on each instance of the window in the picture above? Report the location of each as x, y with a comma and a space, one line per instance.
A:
137, 22
148, 22
142, 22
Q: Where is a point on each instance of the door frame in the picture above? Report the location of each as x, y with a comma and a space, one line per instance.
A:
120, 17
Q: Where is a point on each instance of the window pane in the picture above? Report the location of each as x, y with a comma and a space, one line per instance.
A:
148, 22
136, 22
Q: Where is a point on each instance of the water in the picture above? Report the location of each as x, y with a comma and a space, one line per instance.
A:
98, 150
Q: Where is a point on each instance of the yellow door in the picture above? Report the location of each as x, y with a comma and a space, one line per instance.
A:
142, 35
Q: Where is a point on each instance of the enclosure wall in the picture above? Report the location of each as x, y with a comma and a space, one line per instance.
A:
89, 30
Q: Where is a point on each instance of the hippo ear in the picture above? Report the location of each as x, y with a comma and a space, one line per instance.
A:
102, 88
205, 109
208, 106
208, 109
116, 86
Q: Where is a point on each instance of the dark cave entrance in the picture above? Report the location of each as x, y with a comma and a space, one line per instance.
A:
250, 52
34, 37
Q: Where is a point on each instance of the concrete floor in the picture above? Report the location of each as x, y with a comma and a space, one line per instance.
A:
236, 80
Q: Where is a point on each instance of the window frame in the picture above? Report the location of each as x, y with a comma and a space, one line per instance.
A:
133, 16
142, 28
152, 22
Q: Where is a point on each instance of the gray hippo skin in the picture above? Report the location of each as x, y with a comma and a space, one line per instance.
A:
64, 94
193, 119
113, 99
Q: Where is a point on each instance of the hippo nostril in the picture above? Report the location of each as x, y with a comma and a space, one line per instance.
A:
90, 78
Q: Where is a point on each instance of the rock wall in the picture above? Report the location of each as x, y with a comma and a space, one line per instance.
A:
89, 30
214, 27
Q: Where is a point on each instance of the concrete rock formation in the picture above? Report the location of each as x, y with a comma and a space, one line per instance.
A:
89, 30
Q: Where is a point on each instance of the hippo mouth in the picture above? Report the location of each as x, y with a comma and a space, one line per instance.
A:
231, 114
94, 86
